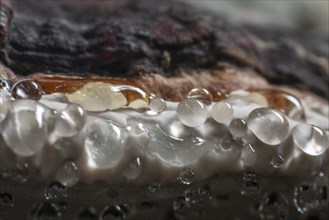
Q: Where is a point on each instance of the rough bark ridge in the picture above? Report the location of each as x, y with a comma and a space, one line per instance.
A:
129, 38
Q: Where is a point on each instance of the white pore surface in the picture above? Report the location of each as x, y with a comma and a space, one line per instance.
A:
109, 143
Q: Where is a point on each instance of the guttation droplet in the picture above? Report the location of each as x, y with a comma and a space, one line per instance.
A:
70, 121
200, 94
222, 112
277, 161
248, 155
238, 127
312, 195
187, 176
134, 169
274, 206
268, 125
192, 112
68, 174
26, 89
310, 139
250, 185
115, 212
154, 187
157, 105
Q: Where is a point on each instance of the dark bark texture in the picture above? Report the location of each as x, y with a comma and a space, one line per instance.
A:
129, 38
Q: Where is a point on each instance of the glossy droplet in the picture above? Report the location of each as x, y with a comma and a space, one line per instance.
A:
180, 204
68, 174
134, 169
248, 155
26, 89
115, 212
192, 112
268, 125
277, 161
312, 195
310, 139
222, 112
227, 142
70, 121
87, 213
26, 131
238, 127
250, 185
200, 94
157, 105
154, 187
104, 143
55, 192
187, 176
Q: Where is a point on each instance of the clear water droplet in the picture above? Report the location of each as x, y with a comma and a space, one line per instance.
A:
70, 121
157, 105
227, 142
180, 203
273, 206
268, 125
68, 174
87, 213
115, 212
187, 176
277, 161
248, 155
134, 169
192, 112
312, 195
250, 185
154, 187
26, 130
310, 139
200, 94
26, 89
222, 112
238, 127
